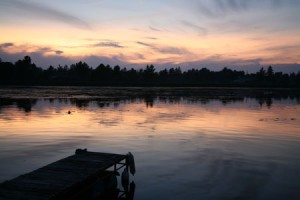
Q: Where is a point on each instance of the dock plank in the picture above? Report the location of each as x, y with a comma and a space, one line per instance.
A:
67, 174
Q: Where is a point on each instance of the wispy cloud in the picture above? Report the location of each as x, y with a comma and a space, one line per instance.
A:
45, 50
58, 52
5, 45
39, 11
151, 38
164, 49
154, 29
108, 44
144, 44
221, 8
283, 48
242, 5
29, 48
171, 50
216, 9
98, 42
199, 29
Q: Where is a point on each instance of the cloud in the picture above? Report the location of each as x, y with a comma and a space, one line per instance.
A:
144, 44
151, 38
215, 9
97, 42
58, 52
139, 56
5, 45
215, 62
19, 51
39, 11
283, 48
95, 60
229, 6
242, 16
154, 29
44, 50
171, 50
164, 49
108, 44
218, 62
199, 29
46, 56
38, 57
44, 60
221, 8
207, 11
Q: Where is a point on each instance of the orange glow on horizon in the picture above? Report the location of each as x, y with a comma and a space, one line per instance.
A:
170, 47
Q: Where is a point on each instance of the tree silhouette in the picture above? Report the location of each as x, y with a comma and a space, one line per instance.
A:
270, 71
149, 73
80, 71
25, 72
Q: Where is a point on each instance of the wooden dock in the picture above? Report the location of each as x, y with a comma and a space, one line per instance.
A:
63, 179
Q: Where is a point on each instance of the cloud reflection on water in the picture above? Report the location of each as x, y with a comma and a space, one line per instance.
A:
207, 144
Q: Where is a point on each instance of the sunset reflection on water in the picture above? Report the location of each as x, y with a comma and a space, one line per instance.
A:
240, 144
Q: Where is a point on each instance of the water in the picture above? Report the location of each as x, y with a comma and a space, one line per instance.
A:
188, 143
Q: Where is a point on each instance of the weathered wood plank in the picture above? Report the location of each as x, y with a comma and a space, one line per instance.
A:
59, 178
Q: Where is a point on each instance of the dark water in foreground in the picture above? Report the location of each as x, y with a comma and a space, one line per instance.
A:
188, 143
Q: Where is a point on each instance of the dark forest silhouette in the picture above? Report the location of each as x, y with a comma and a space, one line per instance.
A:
25, 72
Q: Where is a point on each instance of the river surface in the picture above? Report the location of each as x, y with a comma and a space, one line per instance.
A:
188, 143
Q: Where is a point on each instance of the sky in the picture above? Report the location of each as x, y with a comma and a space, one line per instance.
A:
240, 34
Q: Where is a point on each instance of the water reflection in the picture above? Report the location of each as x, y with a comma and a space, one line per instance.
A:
25, 98
27, 103
188, 143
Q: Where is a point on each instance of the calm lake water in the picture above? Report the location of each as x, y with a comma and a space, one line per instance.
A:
188, 143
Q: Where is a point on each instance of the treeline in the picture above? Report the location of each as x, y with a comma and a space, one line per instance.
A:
24, 72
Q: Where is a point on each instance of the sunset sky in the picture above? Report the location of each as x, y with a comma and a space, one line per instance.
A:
190, 33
